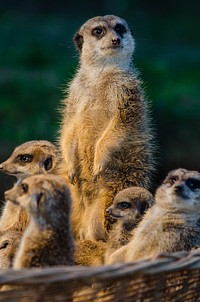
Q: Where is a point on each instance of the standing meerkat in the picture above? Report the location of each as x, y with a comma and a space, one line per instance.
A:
48, 240
106, 134
30, 158
172, 224
128, 208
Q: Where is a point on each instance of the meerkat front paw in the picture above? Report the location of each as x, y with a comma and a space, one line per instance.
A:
71, 174
99, 167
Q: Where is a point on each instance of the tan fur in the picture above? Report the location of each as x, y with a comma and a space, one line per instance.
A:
89, 253
105, 137
128, 208
172, 224
9, 242
47, 241
32, 157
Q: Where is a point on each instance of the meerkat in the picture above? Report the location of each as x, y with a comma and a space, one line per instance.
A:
9, 242
30, 158
89, 253
106, 136
128, 208
172, 224
48, 239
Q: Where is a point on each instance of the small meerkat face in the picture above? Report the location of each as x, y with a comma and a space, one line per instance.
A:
104, 40
9, 241
130, 203
41, 194
181, 188
34, 157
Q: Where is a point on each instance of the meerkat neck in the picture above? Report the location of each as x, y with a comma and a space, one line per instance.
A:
105, 65
129, 224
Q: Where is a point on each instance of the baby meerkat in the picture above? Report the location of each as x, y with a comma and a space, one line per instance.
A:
30, 158
48, 240
128, 208
106, 135
9, 242
172, 224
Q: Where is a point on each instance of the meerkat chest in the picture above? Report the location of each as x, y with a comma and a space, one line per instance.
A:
96, 105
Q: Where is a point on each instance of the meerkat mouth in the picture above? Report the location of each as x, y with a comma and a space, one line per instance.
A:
116, 216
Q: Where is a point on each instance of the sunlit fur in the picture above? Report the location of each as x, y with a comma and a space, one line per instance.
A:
106, 134
172, 224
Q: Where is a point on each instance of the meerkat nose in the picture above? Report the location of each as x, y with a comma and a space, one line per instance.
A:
1, 167
116, 41
178, 188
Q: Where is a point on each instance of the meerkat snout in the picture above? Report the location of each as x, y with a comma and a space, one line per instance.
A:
115, 41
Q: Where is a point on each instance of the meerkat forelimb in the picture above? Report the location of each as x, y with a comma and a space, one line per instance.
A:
48, 239
106, 136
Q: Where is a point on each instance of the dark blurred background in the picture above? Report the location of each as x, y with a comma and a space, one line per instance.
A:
37, 58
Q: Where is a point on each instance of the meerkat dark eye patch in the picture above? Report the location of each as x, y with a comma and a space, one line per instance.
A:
48, 163
193, 183
24, 158
123, 205
172, 179
4, 244
99, 32
120, 29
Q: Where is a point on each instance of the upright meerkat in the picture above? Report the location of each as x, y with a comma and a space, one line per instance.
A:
105, 136
172, 224
30, 158
48, 240
128, 208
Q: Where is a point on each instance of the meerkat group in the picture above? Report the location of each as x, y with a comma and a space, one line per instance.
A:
86, 199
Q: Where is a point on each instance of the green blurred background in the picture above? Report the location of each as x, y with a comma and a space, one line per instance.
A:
37, 58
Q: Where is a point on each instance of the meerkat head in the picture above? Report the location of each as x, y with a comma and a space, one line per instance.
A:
105, 40
130, 203
180, 189
30, 158
44, 196
9, 241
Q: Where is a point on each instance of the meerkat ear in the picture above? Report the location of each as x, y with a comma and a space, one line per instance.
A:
142, 207
38, 198
78, 41
48, 163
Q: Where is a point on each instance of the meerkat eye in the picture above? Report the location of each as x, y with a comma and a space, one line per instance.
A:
193, 183
172, 180
4, 245
120, 29
25, 158
124, 205
24, 188
48, 163
98, 32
